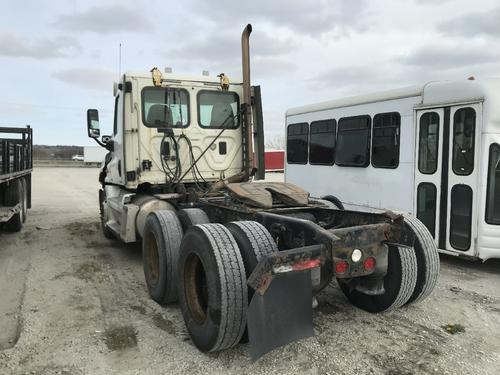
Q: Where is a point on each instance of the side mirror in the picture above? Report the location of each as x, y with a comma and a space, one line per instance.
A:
93, 123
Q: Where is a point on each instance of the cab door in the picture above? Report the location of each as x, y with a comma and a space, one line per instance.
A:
446, 172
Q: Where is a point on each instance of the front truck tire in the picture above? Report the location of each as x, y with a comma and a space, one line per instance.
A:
108, 233
14, 194
212, 287
160, 253
399, 283
427, 259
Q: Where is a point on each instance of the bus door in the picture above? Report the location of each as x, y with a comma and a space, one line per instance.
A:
446, 172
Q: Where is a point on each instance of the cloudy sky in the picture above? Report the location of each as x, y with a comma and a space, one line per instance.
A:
60, 58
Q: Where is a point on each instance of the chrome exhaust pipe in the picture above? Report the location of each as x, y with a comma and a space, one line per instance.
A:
247, 98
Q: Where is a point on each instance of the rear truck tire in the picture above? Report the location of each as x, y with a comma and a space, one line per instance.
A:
24, 199
427, 259
13, 196
334, 200
212, 287
192, 216
108, 233
254, 242
160, 253
399, 283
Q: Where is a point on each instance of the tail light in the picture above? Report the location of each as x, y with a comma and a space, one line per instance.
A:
369, 263
341, 267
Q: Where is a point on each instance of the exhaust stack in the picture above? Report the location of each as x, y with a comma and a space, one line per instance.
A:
247, 99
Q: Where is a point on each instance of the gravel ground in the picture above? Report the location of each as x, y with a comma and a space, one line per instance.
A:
75, 303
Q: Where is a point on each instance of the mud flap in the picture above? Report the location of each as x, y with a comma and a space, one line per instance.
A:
282, 315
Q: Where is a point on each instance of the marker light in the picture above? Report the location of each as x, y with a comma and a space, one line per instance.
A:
356, 255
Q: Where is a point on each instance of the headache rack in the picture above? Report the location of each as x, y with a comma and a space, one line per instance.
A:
16, 156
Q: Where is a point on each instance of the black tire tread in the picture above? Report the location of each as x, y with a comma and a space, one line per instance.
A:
232, 279
192, 216
428, 257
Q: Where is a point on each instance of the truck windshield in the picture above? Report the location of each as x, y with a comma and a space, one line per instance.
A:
162, 107
217, 109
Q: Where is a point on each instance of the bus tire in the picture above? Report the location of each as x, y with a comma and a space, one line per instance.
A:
161, 242
334, 200
13, 196
192, 216
212, 287
399, 283
427, 259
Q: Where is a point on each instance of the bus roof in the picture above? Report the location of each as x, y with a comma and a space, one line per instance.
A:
435, 92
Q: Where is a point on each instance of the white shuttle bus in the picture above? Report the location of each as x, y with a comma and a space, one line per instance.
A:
432, 151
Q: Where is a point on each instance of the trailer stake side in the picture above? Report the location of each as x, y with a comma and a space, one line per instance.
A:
16, 165
243, 258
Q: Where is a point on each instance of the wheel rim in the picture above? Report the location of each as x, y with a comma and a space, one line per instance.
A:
196, 291
152, 257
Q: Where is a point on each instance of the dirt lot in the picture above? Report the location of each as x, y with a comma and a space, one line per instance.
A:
73, 302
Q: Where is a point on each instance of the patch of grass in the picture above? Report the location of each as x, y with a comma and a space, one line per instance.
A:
453, 329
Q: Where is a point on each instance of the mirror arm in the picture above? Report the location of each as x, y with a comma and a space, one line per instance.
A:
99, 142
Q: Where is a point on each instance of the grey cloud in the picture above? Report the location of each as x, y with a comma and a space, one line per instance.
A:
311, 17
226, 46
105, 20
94, 79
480, 23
13, 45
449, 56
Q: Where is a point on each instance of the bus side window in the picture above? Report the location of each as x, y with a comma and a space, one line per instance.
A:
322, 142
493, 186
297, 141
353, 141
385, 141
464, 128
428, 143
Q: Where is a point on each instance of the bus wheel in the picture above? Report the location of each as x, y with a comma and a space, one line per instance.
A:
212, 287
427, 259
334, 200
13, 196
399, 283
161, 242
192, 216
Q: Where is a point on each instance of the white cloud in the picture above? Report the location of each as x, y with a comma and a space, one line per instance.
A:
14, 45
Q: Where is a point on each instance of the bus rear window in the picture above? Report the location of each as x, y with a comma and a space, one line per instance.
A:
353, 142
385, 140
493, 187
322, 142
296, 143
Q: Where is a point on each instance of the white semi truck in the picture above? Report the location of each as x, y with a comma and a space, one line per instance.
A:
240, 256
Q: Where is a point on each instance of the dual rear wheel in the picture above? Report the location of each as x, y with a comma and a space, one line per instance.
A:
17, 193
205, 267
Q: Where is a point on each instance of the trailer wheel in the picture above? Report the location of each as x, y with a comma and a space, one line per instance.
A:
427, 259
334, 200
24, 202
212, 288
399, 283
108, 233
13, 196
192, 216
160, 253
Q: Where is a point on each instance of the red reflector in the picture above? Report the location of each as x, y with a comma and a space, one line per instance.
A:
369, 263
341, 267
306, 264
